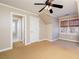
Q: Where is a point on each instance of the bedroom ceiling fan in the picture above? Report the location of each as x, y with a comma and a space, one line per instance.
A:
48, 5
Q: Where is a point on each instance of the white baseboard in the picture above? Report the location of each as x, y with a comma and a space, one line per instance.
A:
6, 49
41, 40
33, 42
52, 40
68, 40
17, 40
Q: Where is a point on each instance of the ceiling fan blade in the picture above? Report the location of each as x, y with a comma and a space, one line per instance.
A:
42, 9
50, 0
51, 11
57, 6
39, 3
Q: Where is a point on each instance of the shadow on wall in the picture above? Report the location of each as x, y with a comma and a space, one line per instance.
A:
55, 29
78, 39
55, 34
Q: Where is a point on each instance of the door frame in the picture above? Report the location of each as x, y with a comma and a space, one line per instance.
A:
11, 30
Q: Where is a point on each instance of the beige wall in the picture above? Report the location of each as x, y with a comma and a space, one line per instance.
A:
52, 29
5, 22
4, 27
42, 30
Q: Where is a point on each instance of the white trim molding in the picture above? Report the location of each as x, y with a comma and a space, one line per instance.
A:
6, 49
53, 40
24, 16
34, 42
68, 40
11, 37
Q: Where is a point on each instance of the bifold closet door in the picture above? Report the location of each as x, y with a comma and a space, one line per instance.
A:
34, 29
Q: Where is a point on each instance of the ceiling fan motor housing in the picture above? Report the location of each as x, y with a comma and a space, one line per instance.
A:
47, 3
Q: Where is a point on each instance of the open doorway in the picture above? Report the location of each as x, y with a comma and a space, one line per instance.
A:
18, 30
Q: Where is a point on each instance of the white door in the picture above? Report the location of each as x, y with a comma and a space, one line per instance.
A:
17, 31
21, 30
34, 29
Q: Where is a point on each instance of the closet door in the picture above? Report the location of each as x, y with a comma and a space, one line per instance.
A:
34, 29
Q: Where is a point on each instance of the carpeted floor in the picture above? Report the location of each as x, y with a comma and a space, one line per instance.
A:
41, 50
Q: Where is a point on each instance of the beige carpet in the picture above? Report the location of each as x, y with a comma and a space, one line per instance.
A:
41, 50
18, 44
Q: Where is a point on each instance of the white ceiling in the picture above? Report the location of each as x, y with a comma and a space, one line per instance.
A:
70, 6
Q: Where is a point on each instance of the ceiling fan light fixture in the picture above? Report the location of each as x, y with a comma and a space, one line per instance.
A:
49, 7
51, 11
46, 7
